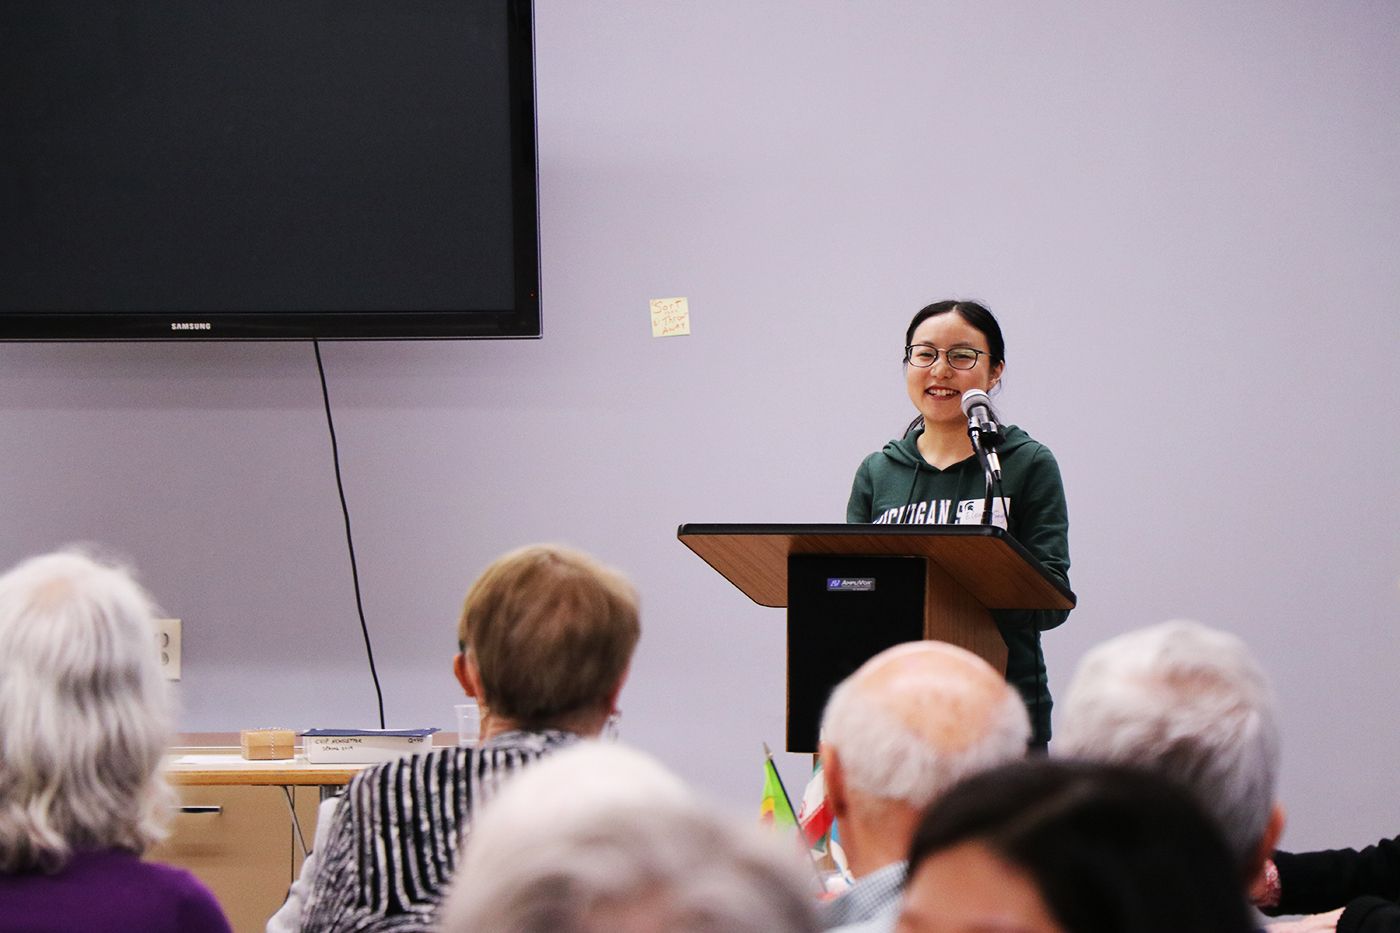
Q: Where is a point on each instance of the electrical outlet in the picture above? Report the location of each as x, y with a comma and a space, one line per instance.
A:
168, 642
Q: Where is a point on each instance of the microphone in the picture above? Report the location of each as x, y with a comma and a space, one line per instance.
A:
981, 416
983, 429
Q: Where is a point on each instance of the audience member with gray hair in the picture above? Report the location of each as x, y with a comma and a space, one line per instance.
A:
1191, 703
903, 729
84, 724
602, 839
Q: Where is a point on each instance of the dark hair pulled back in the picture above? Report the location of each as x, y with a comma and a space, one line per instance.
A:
975, 314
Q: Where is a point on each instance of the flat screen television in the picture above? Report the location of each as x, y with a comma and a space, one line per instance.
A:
267, 169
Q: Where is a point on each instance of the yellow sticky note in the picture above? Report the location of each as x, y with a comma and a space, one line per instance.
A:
670, 317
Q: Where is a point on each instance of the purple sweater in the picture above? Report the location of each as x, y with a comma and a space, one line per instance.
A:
108, 892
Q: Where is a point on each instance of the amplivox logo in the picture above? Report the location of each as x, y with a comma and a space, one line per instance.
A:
850, 584
190, 325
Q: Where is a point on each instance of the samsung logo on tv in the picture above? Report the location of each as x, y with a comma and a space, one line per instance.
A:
850, 584
190, 325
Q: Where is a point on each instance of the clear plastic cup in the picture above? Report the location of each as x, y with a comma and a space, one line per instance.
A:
468, 723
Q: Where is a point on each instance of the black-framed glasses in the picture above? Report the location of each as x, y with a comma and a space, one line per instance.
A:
923, 356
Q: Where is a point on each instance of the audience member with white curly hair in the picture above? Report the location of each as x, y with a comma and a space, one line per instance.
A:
84, 723
1191, 703
602, 839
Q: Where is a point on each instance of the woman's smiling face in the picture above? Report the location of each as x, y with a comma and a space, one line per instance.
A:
937, 391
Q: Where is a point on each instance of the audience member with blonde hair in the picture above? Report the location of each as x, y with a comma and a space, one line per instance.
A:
84, 723
602, 839
546, 638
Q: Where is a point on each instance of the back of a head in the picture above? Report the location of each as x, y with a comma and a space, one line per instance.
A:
1188, 702
552, 631
84, 715
1108, 847
602, 838
919, 717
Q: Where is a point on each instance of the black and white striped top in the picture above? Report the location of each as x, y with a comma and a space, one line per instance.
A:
388, 861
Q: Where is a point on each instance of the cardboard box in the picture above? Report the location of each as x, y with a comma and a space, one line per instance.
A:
268, 744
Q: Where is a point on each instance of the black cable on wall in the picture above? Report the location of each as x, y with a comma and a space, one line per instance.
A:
349, 539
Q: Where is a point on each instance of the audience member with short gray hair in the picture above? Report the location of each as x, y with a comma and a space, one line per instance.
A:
899, 732
84, 724
602, 839
1191, 703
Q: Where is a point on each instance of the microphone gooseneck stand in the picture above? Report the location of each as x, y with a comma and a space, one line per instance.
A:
984, 443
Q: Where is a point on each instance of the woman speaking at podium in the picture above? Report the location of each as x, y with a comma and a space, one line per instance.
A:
932, 475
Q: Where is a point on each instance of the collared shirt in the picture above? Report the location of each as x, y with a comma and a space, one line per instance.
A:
867, 898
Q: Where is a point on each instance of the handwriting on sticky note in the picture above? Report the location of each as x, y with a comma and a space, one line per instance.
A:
670, 317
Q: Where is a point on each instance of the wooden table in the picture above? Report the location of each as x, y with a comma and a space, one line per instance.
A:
212, 765
215, 759
235, 829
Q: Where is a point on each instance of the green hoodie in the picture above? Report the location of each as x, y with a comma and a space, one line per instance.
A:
897, 486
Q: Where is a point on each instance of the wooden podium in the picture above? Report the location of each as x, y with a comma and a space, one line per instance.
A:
853, 590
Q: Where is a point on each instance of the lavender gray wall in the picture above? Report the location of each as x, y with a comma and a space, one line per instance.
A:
1186, 214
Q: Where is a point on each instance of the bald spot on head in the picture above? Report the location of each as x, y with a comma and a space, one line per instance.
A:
943, 694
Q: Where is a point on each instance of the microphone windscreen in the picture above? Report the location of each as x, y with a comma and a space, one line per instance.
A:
977, 397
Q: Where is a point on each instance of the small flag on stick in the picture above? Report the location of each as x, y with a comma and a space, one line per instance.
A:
775, 809
815, 817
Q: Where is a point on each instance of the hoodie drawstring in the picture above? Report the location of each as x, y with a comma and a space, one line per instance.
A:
909, 499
